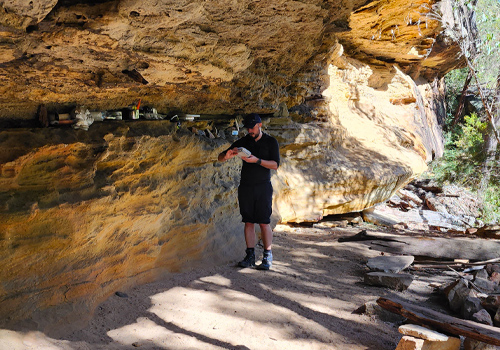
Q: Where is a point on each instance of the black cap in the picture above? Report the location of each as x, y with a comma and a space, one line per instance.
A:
251, 120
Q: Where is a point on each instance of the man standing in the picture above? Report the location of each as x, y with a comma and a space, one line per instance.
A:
255, 192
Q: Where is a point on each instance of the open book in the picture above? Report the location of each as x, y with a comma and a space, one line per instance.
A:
243, 152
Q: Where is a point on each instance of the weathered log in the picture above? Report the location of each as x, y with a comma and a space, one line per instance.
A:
360, 236
434, 247
364, 236
442, 322
464, 262
437, 266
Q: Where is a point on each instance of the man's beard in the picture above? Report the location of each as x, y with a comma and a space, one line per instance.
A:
254, 136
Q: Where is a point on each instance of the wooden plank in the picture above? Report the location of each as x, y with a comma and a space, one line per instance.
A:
442, 322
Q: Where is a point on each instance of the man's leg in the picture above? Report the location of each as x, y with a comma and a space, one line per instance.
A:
266, 209
267, 236
250, 234
267, 239
250, 241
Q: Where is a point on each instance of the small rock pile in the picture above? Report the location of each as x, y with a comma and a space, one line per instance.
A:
424, 205
476, 295
419, 338
455, 204
449, 199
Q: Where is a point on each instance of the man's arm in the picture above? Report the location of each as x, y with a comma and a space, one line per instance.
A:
275, 152
272, 163
227, 154
269, 164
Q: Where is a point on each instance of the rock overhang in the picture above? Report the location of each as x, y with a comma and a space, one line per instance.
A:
204, 57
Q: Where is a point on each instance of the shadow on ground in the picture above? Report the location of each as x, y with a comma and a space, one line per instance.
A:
305, 301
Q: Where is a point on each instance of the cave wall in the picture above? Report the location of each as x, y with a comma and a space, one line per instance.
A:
351, 89
85, 214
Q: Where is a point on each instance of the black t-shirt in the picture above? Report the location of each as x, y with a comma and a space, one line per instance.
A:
266, 148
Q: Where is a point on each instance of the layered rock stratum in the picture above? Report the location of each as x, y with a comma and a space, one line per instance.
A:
351, 89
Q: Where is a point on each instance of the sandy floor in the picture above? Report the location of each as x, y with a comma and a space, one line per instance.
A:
305, 302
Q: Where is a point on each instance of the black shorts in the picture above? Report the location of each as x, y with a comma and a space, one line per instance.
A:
256, 203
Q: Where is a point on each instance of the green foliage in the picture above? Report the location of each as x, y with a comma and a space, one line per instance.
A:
463, 157
463, 161
491, 210
471, 138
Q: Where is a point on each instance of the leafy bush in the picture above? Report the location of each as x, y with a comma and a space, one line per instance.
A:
463, 156
491, 210
463, 164
471, 140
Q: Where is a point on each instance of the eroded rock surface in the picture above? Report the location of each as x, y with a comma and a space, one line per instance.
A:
90, 213
207, 57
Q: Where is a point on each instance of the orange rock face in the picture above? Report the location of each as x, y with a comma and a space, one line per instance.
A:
80, 220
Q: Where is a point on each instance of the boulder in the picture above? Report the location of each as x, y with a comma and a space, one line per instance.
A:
395, 201
457, 293
428, 185
391, 264
413, 343
482, 316
434, 205
380, 216
496, 318
396, 281
482, 273
422, 332
470, 306
490, 268
491, 303
410, 343
410, 196
495, 277
485, 285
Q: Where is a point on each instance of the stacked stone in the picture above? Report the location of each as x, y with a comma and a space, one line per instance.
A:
420, 338
386, 272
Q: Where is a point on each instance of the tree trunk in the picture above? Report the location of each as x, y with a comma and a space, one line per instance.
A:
461, 102
491, 142
487, 108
